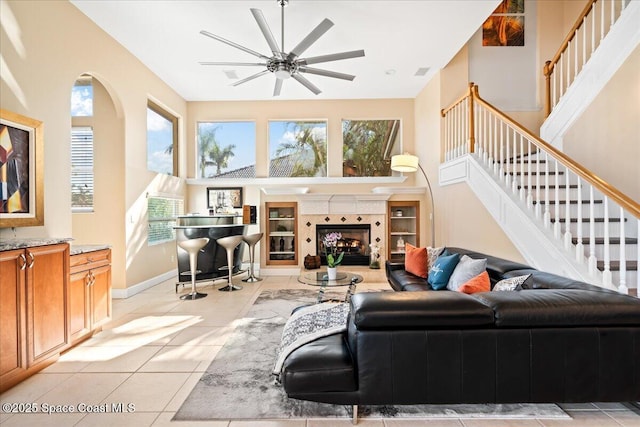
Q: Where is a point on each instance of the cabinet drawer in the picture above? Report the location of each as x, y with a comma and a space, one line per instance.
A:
88, 260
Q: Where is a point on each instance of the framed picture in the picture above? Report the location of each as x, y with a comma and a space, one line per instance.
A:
224, 198
21, 171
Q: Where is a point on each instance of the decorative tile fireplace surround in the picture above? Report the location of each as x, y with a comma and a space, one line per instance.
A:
341, 209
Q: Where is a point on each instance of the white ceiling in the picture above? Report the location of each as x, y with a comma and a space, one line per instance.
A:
398, 38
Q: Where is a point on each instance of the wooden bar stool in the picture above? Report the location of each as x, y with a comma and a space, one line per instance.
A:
230, 243
251, 240
193, 246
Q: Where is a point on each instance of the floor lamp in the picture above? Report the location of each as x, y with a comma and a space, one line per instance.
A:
409, 163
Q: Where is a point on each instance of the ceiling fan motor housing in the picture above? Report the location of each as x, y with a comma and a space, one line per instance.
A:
281, 68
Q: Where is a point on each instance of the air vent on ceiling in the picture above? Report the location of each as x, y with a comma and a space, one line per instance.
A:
231, 74
422, 71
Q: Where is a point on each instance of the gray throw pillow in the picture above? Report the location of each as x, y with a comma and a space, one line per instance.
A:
467, 269
513, 283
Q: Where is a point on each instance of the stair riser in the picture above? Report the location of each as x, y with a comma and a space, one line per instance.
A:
631, 251
524, 179
598, 210
614, 229
562, 193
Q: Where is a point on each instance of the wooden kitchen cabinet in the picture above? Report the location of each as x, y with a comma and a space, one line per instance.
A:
89, 293
33, 309
13, 322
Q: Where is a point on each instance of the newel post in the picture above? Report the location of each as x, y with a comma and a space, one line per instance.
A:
547, 83
472, 137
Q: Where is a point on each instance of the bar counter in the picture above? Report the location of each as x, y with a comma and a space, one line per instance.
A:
212, 259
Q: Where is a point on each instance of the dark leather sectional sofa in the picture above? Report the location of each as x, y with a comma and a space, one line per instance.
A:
562, 341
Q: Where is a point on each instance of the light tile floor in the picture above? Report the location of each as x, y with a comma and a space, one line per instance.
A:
157, 346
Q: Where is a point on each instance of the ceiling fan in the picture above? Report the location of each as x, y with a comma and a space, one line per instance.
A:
283, 64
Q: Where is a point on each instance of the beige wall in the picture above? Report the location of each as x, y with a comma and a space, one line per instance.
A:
606, 137
461, 219
92, 227
45, 46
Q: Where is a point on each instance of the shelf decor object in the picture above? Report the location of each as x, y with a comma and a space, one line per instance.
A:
409, 163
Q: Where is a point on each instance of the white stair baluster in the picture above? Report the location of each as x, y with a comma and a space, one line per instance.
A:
579, 245
606, 274
537, 211
546, 219
522, 179
508, 174
567, 211
556, 209
529, 181
622, 286
514, 164
593, 261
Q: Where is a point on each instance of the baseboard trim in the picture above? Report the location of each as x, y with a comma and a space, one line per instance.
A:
149, 283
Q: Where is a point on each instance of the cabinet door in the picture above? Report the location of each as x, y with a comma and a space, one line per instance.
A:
13, 358
79, 318
100, 295
47, 286
282, 224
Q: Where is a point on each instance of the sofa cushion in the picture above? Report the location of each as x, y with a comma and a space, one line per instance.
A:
408, 310
480, 283
561, 307
467, 269
545, 280
441, 271
323, 365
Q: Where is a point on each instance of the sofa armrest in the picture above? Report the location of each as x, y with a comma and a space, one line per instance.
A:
390, 265
416, 310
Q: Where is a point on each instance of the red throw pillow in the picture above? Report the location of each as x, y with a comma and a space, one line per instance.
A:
416, 260
479, 283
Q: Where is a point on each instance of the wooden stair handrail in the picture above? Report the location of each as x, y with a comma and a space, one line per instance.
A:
624, 201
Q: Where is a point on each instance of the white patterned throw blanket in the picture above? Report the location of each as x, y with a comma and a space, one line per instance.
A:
308, 324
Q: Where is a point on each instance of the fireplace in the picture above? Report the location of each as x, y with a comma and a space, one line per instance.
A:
354, 243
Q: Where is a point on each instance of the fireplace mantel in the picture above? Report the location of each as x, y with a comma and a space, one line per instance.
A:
320, 203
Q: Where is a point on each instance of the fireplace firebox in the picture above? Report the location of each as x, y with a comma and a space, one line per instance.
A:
354, 243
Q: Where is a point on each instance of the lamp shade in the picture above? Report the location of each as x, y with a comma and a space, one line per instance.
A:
404, 163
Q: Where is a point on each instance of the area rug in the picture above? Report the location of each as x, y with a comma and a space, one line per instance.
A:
239, 383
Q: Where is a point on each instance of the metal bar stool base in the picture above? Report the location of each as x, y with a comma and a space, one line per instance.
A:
229, 288
193, 295
252, 279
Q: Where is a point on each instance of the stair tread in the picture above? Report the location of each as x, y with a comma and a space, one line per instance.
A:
612, 240
550, 186
587, 220
537, 173
564, 202
615, 265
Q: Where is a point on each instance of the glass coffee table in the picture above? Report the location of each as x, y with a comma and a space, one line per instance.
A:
320, 279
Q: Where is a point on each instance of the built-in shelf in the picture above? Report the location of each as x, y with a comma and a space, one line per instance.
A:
403, 227
282, 225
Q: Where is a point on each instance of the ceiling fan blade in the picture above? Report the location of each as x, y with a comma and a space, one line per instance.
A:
236, 45
326, 73
314, 35
277, 88
306, 83
239, 64
261, 73
331, 57
266, 31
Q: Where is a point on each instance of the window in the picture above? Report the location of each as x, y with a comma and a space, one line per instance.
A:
82, 97
162, 140
297, 148
226, 150
162, 213
81, 169
367, 146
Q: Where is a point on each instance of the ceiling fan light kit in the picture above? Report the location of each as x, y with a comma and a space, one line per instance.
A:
285, 65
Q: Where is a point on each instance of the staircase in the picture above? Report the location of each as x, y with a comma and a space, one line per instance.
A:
561, 203
561, 216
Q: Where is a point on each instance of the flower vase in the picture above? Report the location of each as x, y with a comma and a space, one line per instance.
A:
332, 273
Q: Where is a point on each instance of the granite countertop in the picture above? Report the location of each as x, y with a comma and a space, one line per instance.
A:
81, 249
11, 244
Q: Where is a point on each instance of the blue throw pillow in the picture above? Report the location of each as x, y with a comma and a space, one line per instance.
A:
441, 271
